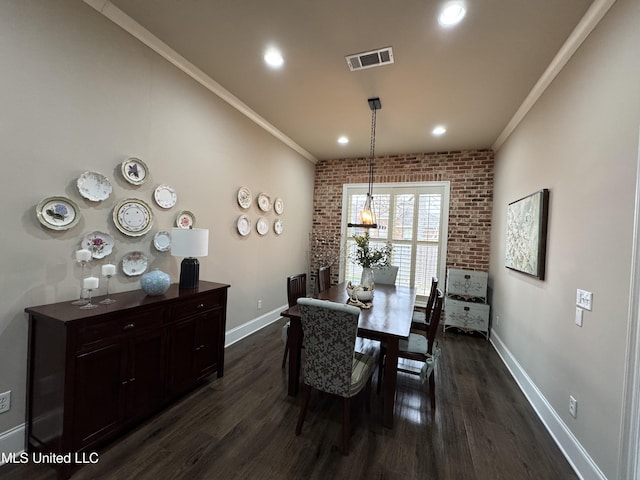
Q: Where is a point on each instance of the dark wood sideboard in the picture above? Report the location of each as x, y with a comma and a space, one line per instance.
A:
93, 374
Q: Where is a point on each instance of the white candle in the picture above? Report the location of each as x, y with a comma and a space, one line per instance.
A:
83, 255
90, 283
108, 269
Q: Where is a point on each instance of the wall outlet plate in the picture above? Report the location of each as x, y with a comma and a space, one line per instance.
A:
584, 299
5, 401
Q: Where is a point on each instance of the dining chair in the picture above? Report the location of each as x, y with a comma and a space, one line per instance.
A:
324, 278
331, 363
385, 275
420, 319
296, 288
421, 348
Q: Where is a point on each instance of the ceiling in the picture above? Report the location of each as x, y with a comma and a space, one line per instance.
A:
471, 78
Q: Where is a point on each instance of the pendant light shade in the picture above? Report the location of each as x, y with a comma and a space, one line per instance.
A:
367, 214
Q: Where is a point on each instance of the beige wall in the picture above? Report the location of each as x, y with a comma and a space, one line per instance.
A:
79, 94
581, 141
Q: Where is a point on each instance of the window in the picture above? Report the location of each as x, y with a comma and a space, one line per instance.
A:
414, 218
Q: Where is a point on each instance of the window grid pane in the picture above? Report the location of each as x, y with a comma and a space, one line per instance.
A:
415, 235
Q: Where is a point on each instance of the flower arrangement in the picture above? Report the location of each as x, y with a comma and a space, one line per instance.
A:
367, 256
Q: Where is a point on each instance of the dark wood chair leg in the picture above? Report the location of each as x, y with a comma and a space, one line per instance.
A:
303, 409
432, 390
367, 392
286, 352
346, 424
380, 369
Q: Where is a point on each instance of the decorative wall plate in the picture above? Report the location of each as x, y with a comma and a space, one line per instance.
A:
244, 197
185, 219
264, 202
58, 213
244, 225
134, 263
262, 226
165, 196
94, 186
133, 217
100, 244
162, 241
134, 171
278, 206
277, 226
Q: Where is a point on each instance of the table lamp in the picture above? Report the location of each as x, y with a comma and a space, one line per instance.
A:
189, 243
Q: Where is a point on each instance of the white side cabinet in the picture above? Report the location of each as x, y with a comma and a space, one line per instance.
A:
465, 305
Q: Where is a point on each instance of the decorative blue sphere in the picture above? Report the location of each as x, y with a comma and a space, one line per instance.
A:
155, 283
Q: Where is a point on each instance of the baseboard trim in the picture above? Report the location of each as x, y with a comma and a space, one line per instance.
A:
571, 448
236, 334
12, 441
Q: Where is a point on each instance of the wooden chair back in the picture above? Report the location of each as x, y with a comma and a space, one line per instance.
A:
296, 288
436, 313
324, 278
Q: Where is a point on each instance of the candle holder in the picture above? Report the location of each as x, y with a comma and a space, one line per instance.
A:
81, 300
108, 301
89, 305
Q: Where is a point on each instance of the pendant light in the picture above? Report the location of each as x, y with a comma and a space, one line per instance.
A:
367, 215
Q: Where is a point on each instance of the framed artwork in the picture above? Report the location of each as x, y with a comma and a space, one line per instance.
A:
527, 234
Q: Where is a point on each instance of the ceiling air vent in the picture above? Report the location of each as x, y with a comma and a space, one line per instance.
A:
374, 58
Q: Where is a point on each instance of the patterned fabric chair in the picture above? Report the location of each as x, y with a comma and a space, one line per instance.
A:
385, 275
421, 348
420, 321
296, 288
331, 363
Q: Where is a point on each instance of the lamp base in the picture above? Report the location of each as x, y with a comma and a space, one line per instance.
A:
189, 273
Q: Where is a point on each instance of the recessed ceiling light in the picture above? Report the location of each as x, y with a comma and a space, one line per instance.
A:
452, 13
343, 140
439, 130
273, 58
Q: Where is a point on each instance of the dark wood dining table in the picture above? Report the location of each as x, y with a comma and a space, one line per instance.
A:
388, 320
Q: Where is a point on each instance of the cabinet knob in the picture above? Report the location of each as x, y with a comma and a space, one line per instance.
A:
132, 379
199, 348
129, 326
200, 305
124, 382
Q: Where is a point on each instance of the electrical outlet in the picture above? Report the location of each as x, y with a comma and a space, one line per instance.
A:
579, 316
584, 299
5, 401
259, 304
573, 406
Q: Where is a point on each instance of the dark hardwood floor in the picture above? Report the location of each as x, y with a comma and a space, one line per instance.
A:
242, 426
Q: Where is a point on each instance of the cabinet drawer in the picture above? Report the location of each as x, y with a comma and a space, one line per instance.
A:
94, 332
466, 314
466, 283
198, 304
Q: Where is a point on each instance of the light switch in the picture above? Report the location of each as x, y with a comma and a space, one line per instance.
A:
579, 316
584, 299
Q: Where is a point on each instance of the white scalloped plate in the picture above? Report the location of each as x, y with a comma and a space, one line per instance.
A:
94, 186
100, 244
243, 225
134, 263
162, 241
165, 196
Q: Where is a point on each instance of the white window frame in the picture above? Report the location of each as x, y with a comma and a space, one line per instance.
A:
394, 189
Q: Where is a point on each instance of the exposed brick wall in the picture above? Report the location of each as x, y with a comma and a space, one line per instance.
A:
469, 171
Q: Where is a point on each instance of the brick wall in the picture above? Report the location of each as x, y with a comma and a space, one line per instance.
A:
469, 171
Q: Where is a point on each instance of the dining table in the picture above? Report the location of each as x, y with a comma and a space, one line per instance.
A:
388, 320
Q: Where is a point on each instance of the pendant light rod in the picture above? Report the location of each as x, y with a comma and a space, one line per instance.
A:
367, 215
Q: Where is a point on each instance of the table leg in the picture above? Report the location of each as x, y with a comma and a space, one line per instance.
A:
390, 381
295, 348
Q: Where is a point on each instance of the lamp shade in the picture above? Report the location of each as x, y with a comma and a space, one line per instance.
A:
192, 242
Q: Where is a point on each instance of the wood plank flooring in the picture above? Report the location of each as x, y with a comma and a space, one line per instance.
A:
242, 426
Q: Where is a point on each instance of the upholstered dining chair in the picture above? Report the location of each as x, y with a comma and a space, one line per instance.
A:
385, 275
421, 348
420, 320
296, 288
324, 278
331, 363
